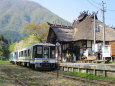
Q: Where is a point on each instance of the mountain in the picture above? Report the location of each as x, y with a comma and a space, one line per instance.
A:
16, 14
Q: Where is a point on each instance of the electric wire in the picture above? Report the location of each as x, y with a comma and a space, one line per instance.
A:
93, 4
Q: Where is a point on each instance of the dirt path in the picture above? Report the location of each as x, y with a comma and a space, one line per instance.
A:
13, 75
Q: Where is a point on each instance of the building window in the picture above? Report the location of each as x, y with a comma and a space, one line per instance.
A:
97, 28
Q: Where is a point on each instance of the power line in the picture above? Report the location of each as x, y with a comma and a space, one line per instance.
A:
93, 4
110, 10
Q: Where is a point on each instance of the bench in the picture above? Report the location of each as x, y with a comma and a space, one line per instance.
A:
87, 59
101, 61
90, 58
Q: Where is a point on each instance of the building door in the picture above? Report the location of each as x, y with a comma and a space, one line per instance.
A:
76, 52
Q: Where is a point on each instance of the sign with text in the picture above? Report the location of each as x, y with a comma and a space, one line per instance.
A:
106, 51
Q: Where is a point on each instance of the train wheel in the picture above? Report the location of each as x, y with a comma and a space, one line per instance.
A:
32, 66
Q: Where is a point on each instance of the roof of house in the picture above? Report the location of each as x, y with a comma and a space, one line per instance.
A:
82, 29
63, 33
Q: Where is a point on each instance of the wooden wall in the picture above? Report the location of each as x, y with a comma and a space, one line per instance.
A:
113, 47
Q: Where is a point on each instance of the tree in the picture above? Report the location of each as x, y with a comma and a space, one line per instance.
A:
1, 52
3, 47
39, 31
11, 47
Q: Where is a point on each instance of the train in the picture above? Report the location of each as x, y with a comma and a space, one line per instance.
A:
41, 56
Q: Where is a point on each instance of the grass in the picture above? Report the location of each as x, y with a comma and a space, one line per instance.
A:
1, 79
33, 82
91, 76
19, 75
112, 62
38, 83
4, 62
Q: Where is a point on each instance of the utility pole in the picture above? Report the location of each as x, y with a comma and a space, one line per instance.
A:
94, 33
103, 10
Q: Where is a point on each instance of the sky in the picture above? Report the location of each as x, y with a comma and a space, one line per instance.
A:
71, 9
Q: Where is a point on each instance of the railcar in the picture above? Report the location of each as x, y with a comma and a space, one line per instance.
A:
39, 56
13, 57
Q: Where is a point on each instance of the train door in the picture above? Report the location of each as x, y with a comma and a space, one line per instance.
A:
46, 52
52, 52
15, 55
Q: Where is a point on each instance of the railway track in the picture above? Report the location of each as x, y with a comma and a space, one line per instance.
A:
100, 82
11, 73
17, 80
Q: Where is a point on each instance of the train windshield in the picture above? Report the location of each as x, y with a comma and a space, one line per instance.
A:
44, 51
37, 51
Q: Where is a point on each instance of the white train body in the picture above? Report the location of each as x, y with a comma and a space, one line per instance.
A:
38, 56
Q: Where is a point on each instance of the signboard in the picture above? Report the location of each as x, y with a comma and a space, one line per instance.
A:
106, 51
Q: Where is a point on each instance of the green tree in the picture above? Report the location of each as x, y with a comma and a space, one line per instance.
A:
11, 47
1, 52
39, 31
4, 52
37, 34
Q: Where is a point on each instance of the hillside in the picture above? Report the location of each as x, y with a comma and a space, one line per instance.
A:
3, 48
16, 14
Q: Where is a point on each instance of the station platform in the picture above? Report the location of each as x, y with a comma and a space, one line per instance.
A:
98, 66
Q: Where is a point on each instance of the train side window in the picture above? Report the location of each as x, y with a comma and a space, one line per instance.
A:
22, 53
25, 53
19, 54
39, 50
34, 52
28, 53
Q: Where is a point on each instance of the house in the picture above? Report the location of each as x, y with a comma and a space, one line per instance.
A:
63, 35
78, 38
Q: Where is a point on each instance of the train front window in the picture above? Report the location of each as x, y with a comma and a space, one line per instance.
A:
37, 52
46, 52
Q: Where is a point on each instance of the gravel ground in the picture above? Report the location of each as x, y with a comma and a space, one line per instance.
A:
34, 78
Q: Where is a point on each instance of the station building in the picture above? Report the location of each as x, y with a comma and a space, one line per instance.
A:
77, 39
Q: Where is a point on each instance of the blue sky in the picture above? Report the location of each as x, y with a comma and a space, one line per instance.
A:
70, 9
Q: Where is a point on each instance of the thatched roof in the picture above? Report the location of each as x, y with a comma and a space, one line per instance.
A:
63, 33
84, 30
